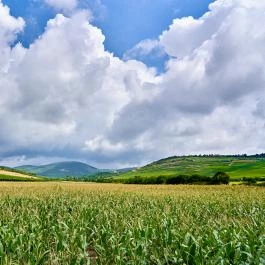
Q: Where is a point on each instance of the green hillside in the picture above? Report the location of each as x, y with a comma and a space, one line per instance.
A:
61, 169
9, 174
236, 166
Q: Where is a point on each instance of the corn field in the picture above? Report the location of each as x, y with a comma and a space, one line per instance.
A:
78, 223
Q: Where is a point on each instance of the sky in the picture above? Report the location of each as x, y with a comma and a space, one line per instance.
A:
123, 83
123, 23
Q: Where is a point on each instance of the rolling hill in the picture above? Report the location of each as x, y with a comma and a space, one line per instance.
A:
61, 169
9, 174
236, 166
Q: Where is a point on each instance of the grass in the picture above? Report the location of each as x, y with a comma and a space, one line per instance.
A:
15, 178
236, 167
13, 175
78, 223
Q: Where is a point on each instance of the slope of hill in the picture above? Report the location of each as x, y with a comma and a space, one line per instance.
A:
236, 166
8, 174
61, 169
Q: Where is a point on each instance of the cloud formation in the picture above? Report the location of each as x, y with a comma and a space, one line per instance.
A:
66, 96
65, 5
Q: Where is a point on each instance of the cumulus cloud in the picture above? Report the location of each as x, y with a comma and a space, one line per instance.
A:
216, 65
66, 96
9, 26
65, 89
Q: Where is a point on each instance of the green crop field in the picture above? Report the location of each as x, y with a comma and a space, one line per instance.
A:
78, 223
236, 167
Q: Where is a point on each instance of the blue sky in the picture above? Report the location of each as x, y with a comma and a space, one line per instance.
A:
124, 23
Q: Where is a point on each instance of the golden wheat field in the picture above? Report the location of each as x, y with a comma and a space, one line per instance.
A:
11, 174
85, 223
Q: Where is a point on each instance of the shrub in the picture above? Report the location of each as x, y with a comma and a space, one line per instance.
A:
220, 178
249, 180
179, 179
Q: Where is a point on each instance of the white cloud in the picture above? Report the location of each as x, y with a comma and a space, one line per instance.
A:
218, 70
145, 48
65, 5
65, 89
66, 96
9, 26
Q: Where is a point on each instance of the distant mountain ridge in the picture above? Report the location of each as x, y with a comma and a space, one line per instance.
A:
61, 169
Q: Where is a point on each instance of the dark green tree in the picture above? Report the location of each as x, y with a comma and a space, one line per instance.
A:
220, 178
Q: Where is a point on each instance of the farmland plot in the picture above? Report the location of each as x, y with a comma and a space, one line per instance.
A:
78, 223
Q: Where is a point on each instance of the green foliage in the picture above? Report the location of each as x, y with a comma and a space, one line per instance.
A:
52, 223
220, 178
253, 181
143, 180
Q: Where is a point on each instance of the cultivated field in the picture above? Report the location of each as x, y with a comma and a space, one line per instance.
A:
78, 223
16, 176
